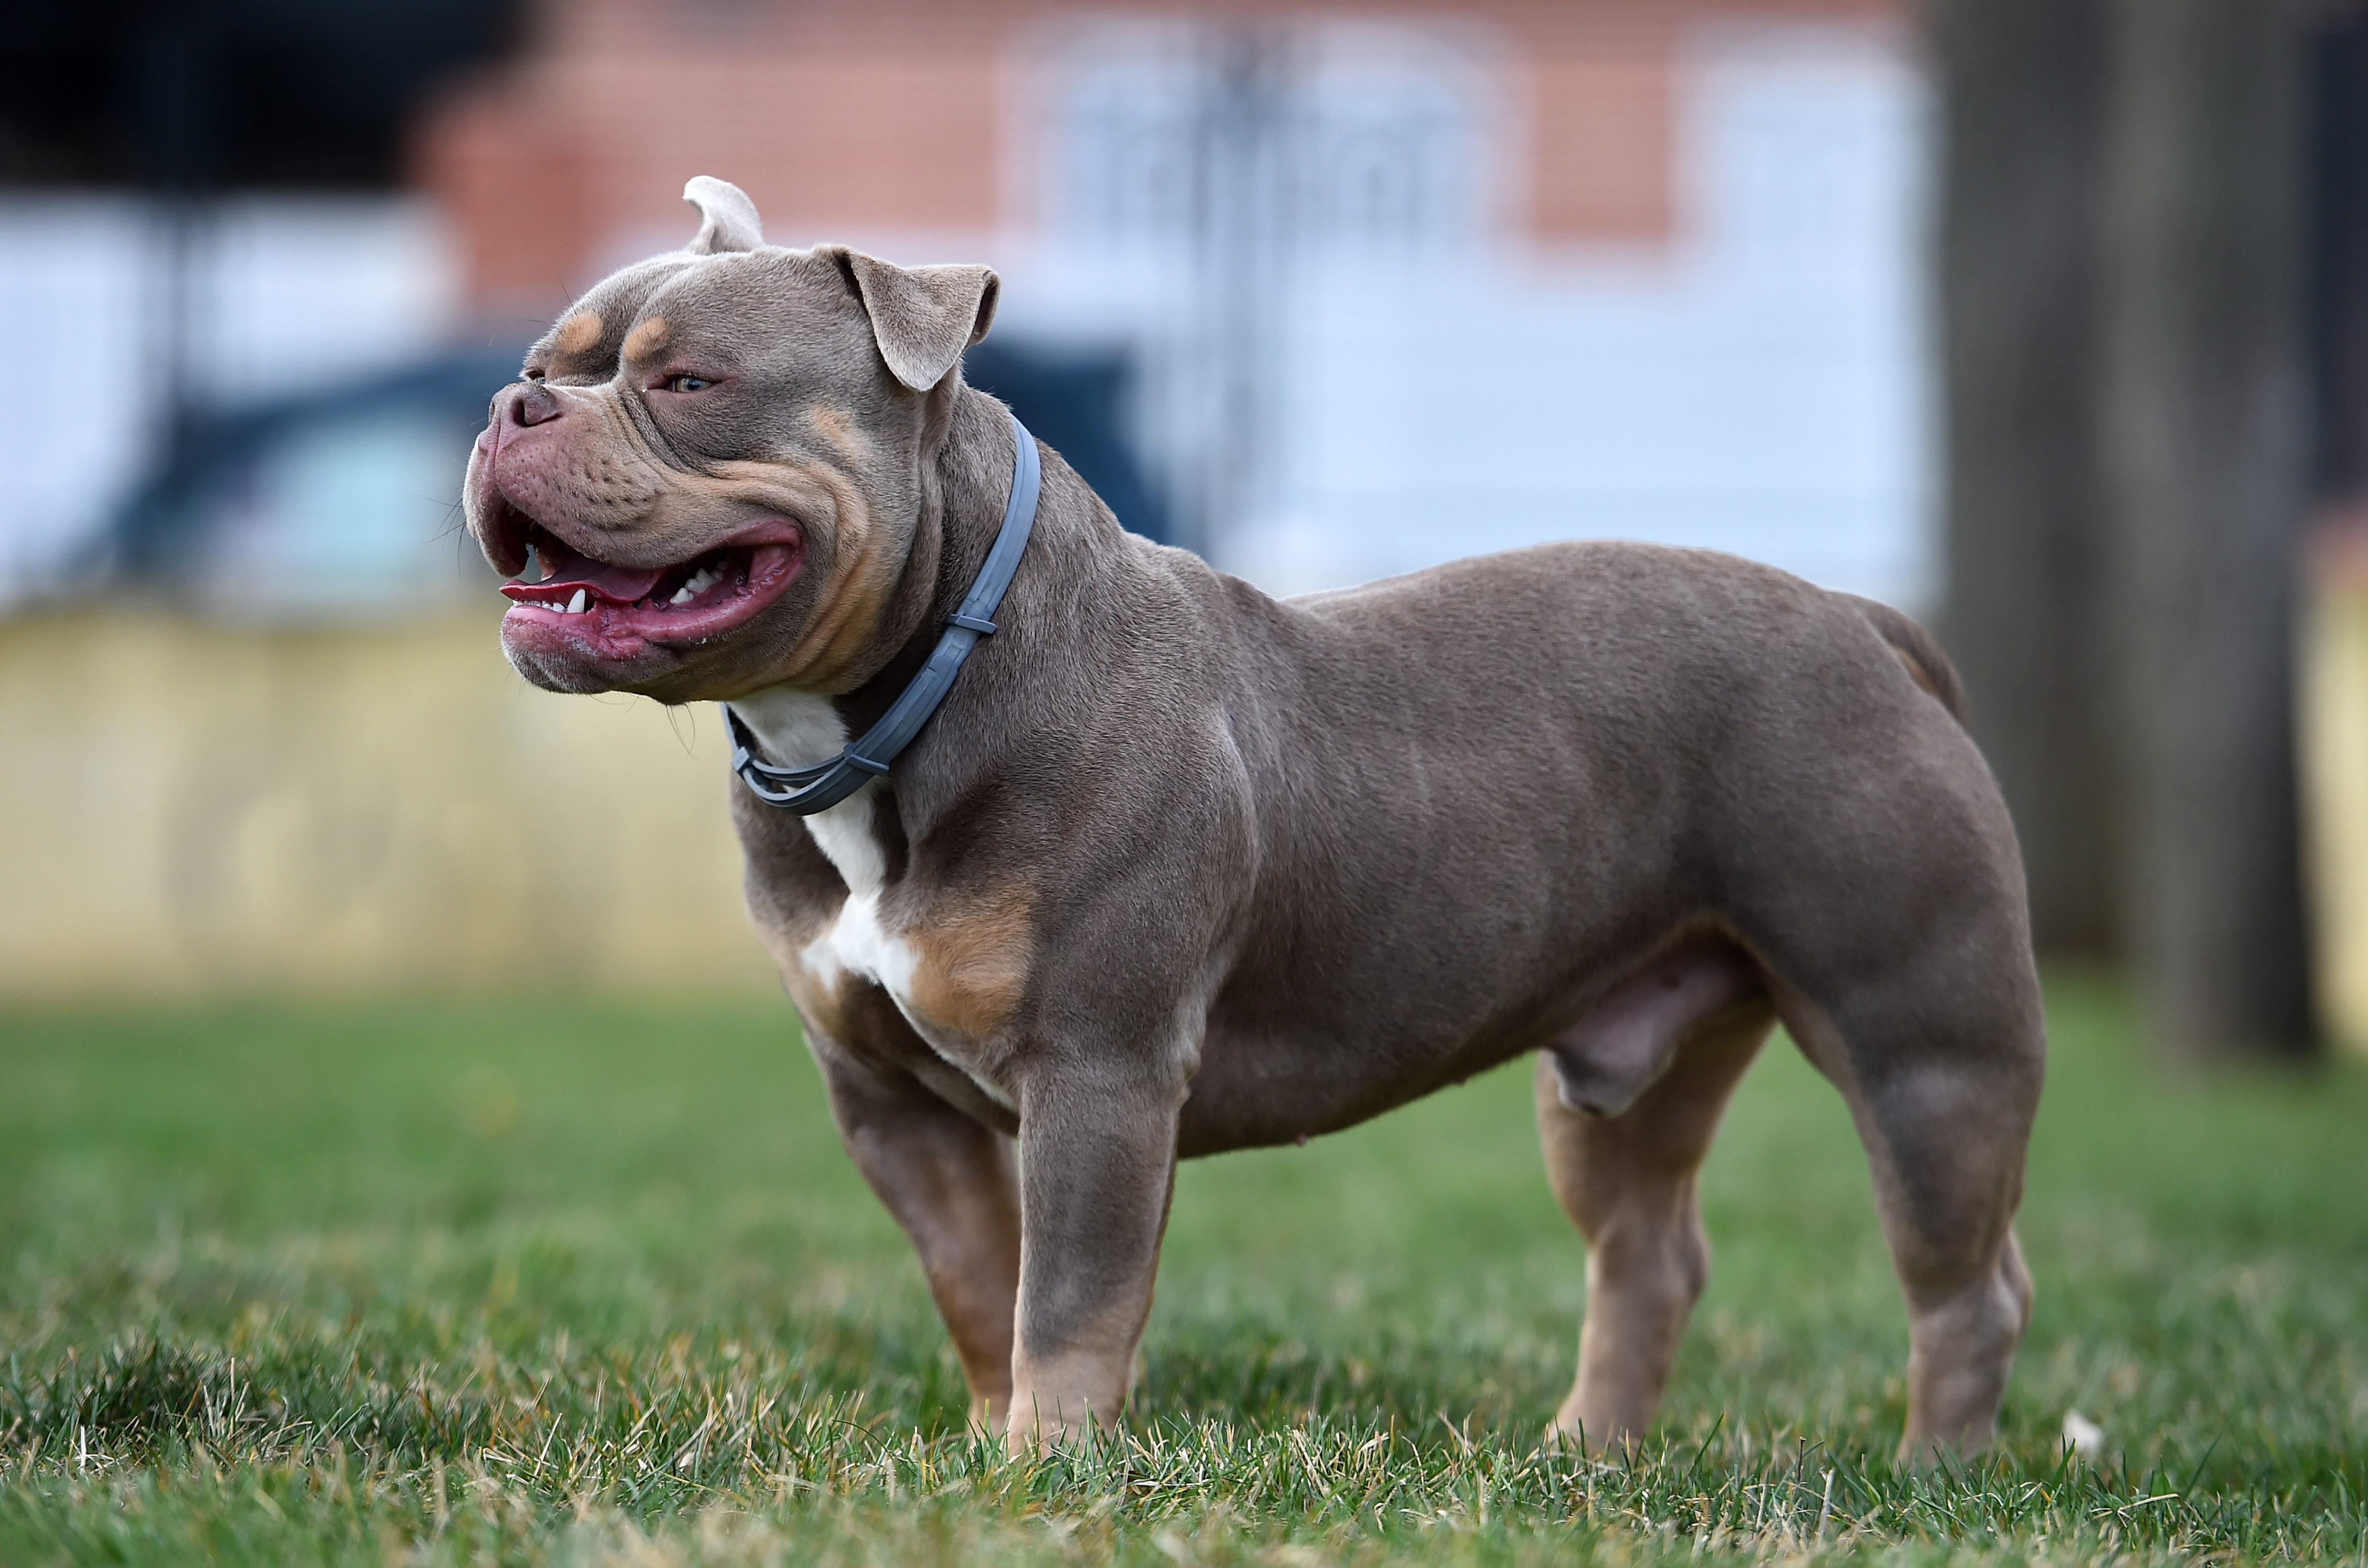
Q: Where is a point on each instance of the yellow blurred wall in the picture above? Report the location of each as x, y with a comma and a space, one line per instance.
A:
190, 808
2334, 710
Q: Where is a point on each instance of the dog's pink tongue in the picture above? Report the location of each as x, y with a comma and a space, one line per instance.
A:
624, 584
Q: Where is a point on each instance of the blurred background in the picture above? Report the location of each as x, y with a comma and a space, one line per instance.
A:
2045, 320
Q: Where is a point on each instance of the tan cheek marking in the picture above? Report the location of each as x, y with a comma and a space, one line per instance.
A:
973, 968
578, 333
686, 513
837, 426
851, 618
647, 338
863, 576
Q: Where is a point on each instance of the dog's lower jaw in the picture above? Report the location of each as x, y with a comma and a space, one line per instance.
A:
578, 639
561, 676
560, 659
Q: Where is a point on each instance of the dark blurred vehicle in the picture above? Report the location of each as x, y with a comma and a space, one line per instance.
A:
1071, 399
330, 504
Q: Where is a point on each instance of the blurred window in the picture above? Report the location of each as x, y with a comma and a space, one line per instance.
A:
1325, 135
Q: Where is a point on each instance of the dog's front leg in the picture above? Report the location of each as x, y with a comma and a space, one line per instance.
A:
950, 1183
1098, 1167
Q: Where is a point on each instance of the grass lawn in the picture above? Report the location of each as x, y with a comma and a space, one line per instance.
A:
568, 1281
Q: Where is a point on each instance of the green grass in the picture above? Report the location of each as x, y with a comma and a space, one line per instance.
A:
575, 1282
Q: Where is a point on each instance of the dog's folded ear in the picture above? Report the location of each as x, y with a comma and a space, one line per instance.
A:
727, 218
922, 317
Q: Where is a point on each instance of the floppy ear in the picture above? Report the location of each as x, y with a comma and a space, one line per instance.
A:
923, 317
727, 218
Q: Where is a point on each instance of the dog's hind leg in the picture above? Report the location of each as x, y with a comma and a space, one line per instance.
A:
1877, 881
1944, 1103
1627, 1182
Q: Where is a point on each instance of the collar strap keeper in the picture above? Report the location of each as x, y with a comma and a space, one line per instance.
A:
806, 790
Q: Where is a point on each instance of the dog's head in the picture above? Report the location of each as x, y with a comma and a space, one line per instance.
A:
711, 474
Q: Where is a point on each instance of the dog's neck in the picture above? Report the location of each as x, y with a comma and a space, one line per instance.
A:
965, 487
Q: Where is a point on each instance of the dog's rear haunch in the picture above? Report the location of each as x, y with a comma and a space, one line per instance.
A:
1178, 868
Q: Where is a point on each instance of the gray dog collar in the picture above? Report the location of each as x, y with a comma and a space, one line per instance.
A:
806, 790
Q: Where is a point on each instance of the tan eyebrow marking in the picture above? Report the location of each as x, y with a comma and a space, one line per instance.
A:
647, 338
578, 333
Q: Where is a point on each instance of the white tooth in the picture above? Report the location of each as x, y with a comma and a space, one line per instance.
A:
575, 605
681, 595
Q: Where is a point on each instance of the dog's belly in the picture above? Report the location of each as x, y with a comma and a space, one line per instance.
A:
1256, 1091
1609, 1044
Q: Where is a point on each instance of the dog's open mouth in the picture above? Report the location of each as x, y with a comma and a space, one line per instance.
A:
616, 607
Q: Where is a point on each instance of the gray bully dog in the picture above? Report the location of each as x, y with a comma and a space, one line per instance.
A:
1176, 867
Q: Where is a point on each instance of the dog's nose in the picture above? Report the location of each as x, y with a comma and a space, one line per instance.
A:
525, 404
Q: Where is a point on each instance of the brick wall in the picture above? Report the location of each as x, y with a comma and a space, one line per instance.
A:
864, 115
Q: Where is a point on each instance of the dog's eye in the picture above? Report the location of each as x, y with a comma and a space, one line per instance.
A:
689, 384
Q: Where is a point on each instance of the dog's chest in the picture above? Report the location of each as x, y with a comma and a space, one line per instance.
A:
861, 944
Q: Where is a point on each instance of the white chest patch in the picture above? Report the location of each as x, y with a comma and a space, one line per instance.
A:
801, 729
